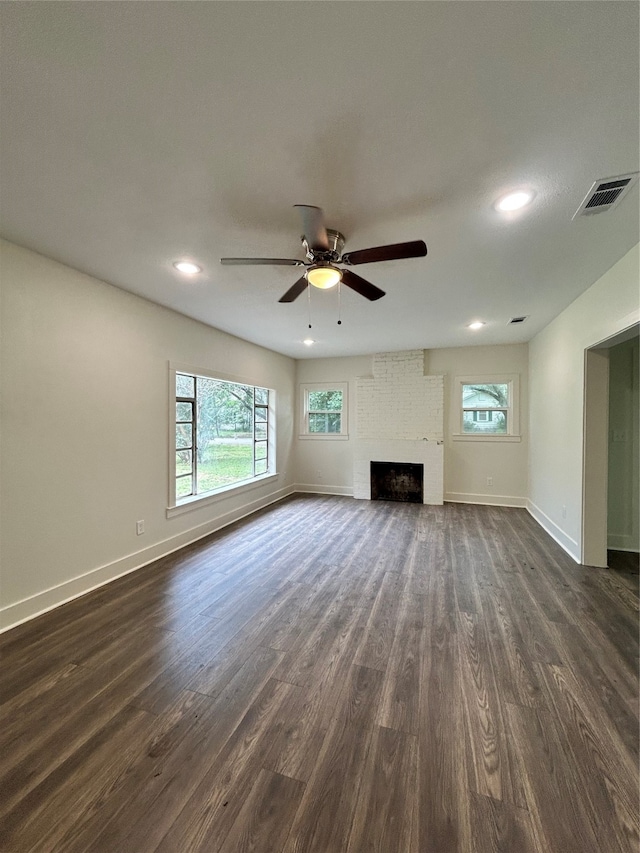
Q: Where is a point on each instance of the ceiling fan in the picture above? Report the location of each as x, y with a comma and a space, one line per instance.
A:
323, 248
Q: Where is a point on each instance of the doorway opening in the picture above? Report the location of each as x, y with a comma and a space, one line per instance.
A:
610, 449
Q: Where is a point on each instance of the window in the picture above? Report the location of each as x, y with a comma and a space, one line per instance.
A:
223, 435
488, 408
324, 410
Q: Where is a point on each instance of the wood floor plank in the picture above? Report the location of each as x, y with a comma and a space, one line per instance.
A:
491, 764
387, 804
501, 827
444, 812
266, 815
379, 634
66, 720
212, 809
165, 737
151, 808
400, 707
350, 694
557, 806
513, 666
41, 817
325, 815
332, 675
605, 773
608, 684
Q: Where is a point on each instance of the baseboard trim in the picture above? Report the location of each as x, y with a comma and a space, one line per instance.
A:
485, 500
556, 533
29, 608
614, 547
313, 489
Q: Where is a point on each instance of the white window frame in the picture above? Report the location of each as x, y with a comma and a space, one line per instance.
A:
304, 392
177, 506
513, 410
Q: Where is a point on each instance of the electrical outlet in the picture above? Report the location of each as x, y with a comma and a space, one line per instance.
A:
489, 481
140, 527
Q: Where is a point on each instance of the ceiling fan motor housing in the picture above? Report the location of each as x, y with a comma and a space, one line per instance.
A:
336, 245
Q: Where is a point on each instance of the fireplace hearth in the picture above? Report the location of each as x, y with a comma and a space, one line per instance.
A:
397, 481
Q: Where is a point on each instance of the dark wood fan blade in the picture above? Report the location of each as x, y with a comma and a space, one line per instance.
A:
361, 286
393, 252
313, 227
282, 262
295, 291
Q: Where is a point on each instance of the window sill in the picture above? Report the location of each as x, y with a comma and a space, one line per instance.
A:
457, 436
326, 436
200, 501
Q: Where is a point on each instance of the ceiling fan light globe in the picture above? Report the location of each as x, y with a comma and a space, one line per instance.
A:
323, 277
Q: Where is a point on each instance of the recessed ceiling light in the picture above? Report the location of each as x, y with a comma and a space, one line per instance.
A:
187, 267
308, 341
514, 201
476, 325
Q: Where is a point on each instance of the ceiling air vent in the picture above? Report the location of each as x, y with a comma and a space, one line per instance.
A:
518, 319
606, 194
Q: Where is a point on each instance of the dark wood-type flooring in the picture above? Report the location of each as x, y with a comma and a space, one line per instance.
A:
332, 675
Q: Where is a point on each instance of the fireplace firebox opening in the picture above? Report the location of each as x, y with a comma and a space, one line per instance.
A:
397, 481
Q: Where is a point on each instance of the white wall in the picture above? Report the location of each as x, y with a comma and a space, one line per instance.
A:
556, 396
84, 441
624, 437
326, 465
468, 464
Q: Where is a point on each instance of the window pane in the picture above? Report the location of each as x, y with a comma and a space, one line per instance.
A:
224, 462
222, 451
318, 423
183, 462
184, 411
322, 401
327, 422
185, 385
486, 421
485, 396
261, 466
183, 486
183, 435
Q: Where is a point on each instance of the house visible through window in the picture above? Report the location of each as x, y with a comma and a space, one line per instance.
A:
324, 411
485, 408
488, 407
222, 434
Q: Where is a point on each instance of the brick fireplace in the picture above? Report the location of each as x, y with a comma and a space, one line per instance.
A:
400, 420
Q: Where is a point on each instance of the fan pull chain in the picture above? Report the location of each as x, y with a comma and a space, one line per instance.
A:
339, 304
309, 302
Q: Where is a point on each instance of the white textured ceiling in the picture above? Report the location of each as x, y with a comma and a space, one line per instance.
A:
138, 133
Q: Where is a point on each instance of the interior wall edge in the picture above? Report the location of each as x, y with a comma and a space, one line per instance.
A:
41, 602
